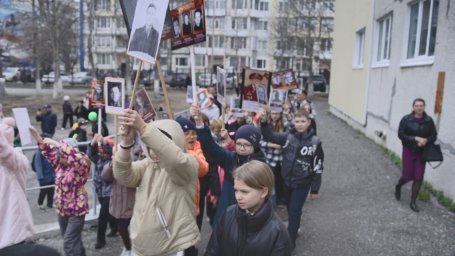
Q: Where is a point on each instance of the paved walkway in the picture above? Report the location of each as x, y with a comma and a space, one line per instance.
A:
357, 213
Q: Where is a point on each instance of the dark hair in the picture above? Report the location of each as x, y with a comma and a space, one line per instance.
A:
418, 99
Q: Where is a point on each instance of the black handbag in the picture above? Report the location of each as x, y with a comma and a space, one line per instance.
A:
433, 153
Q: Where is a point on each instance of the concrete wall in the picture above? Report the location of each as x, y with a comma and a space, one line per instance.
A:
349, 84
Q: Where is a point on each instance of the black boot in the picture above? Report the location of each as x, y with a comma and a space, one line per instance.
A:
414, 207
398, 189
398, 192
415, 191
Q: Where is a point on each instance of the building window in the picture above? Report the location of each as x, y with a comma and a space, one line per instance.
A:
260, 63
181, 62
261, 5
423, 23
262, 44
240, 23
103, 22
238, 42
200, 60
103, 5
384, 38
103, 59
262, 25
359, 47
326, 44
239, 4
103, 41
283, 6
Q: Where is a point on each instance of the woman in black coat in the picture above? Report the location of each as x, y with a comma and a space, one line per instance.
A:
416, 130
250, 227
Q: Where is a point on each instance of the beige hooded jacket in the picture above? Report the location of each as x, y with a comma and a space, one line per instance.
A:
164, 218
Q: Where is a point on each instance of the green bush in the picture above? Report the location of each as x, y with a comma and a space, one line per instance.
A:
424, 196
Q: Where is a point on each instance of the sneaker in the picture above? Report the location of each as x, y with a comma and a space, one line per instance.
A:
42, 207
125, 252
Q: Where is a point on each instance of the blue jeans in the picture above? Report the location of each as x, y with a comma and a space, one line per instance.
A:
295, 198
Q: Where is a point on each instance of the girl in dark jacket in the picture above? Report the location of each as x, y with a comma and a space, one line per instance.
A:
301, 166
250, 227
415, 131
247, 148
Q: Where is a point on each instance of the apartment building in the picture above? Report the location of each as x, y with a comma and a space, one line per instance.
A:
239, 33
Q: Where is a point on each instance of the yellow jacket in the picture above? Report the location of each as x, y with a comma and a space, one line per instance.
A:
164, 218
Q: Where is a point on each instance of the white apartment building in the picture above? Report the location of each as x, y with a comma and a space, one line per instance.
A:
239, 33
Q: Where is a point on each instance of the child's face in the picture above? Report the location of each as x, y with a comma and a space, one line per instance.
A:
216, 131
301, 124
243, 147
190, 139
247, 197
275, 116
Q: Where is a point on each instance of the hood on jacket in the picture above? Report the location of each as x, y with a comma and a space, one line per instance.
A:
172, 130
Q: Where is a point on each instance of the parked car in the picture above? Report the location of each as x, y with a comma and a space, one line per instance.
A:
231, 78
319, 83
50, 78
82, 77
204, 79
11, 74
178, 80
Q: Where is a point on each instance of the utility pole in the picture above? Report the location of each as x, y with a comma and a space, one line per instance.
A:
81, 35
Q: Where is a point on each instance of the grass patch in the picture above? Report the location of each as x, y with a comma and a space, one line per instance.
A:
445, 201
394, 157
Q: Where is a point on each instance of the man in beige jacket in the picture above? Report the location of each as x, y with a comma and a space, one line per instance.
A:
163, 220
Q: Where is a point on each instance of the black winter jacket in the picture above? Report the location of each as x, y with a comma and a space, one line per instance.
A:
303, 156
239, 233
409, 128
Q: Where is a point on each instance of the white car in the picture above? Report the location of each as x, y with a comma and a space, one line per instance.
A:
50, 78
204, 79
82, 77
11, 74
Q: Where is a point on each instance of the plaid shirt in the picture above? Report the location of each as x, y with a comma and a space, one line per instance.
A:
272, 155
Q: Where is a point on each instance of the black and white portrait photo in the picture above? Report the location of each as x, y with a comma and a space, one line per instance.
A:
189, 93
176, 25
186, 24
198, 20
261, 90
203, 99
114, 94
221, 85
147, 28
277, 99
143, 106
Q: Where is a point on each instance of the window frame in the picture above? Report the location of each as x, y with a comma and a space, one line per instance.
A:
381, 38
359, 49
418, 59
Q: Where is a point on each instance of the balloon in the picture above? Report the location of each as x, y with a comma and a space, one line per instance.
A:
92, 116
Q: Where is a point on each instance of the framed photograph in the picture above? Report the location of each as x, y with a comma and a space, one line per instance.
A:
97, 93
147, 27
114, 93
189, 93
190, 19
203, 99
284, 80
221, 85
143, 105
261, 90
277, 99
252, 80
235, 102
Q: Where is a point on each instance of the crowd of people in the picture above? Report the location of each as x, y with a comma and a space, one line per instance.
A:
156, 185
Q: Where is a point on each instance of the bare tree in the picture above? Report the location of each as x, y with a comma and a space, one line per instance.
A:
91, 26
300, 28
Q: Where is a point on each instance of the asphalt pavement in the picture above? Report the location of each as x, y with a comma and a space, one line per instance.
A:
356, 214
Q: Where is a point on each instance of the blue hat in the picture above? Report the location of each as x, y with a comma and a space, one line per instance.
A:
186, 124
250, 133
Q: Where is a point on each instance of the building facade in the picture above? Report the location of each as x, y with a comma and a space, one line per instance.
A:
407, 54
239, 33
